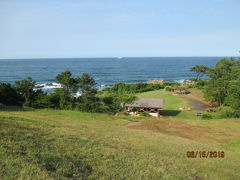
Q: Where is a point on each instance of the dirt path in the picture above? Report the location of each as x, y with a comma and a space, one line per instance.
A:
194, 102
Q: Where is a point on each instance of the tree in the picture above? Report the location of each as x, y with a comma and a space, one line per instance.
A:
87, 83
26, 89
69, 83
233, 98
200, 70
88, 102
221, 76
9, 95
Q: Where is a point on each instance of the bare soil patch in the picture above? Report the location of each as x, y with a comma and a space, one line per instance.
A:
189, 130
194, 103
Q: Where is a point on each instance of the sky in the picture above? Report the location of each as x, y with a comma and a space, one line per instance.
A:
119, 28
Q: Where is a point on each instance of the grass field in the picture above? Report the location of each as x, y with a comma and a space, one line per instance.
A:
54, 144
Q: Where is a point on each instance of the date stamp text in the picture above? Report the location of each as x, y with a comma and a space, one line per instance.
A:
205, 154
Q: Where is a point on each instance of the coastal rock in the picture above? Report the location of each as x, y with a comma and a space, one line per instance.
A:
156, 81
188, 82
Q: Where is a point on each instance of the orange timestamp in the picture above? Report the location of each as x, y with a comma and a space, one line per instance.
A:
206, 154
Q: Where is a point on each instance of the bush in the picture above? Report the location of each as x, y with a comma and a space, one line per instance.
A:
47, 101
122, 88
167, 88
144, 114
207, 116
228, 112
171, 84
113, 103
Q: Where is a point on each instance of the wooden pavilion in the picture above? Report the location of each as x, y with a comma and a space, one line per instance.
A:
148, 105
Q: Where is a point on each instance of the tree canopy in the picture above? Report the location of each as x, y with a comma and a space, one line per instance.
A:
26, 89
69, 83
9, 95
223, 81
200, 70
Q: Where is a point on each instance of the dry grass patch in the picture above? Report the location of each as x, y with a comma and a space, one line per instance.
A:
185, 129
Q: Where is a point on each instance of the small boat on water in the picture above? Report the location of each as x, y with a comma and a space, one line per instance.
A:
120, 57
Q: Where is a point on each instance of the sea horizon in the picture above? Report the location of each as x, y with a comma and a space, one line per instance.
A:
106, 71
111, 57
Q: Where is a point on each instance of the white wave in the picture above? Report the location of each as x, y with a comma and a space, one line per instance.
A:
77, 94
179, 81
48, 86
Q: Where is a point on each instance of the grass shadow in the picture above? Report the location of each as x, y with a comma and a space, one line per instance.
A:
14, 108
169, 112
32, 143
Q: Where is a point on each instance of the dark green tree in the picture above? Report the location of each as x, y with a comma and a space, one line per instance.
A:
51, 100
9, 95
26, 89
69, 83
233, 98
88, 101
221, 76
87, 83
200, 70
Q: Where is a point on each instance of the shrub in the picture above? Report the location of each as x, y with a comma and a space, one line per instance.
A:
122, 88
144, 114
228, 112
89, 103
207, 116
167, 88
47, 101
171, 84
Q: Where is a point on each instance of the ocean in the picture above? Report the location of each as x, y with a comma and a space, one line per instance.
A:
106, 71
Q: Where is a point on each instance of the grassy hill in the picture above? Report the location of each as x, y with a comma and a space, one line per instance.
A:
54, 144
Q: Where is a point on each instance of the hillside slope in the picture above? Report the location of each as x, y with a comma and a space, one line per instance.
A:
51, 144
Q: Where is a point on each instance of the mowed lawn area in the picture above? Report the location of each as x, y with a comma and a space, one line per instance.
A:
55, 144
172, 104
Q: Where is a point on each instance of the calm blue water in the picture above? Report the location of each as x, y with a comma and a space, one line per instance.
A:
106, 71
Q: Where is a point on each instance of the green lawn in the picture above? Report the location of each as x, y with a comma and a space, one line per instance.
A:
52, 144
171, 102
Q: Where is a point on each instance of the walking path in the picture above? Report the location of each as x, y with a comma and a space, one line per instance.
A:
194, 103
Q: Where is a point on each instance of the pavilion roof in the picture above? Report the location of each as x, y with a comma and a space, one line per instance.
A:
147, 103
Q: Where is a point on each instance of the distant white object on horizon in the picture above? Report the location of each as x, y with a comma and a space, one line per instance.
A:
120, 57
